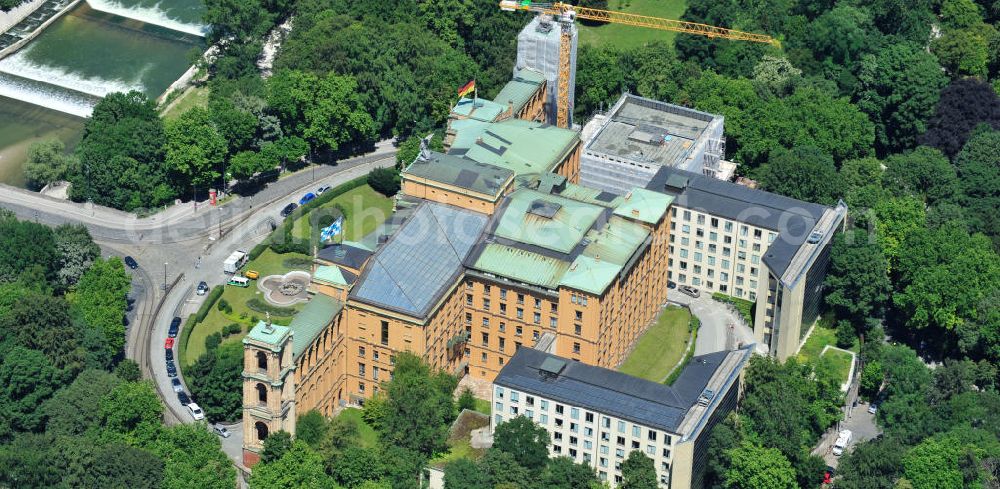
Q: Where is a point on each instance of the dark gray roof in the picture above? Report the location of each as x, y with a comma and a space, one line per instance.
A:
607, 391
344, 254
414, 268
793, 219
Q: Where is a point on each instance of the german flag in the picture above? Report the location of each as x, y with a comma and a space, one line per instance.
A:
467, 89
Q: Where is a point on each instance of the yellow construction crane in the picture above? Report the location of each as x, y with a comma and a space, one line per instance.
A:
567, 13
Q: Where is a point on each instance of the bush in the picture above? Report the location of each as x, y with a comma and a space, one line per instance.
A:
209, 301
213, 341
384, 181
224, 306
845, 334
257, 250
263, 307
466, 400
296, 262
231, 329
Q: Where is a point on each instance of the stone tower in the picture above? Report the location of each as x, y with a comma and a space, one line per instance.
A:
268, 387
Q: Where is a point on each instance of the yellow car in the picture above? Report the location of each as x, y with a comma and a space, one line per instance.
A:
252, 274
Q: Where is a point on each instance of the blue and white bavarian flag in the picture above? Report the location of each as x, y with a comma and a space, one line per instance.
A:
331, 231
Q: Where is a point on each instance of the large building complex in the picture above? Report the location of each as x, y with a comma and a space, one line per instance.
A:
597, 416
753, 245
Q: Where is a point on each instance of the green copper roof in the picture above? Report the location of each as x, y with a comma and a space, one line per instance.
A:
309, 322
549, 221
590, 195
644, 205
520, 89
521, 265
480, 109
590, 275
460, 172
330, 274
616, 242
260, 333
521, 146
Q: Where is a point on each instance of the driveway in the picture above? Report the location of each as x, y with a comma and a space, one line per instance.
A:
715, 333
862, 426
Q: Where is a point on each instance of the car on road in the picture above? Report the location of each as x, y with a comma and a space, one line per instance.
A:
183, 398
168, 355
306, 198
175, 327
131, 262
171, 369
196, 411
873, 408
168, 343
320, 190
176, 384
202, 288
289, 209
689, 290
220, 430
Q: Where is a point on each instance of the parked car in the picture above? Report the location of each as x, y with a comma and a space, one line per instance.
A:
873, 408
175, 327
169, 355
320, 190
220, 430
289, 209
171, 369
168, 343
202, 288
306, 198
843, 439
183, 398
671, 284
176, 384
689, 290
828, 475
252, 274
196, 411
131, 262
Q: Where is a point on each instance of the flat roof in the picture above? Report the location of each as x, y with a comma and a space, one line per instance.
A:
479, 109
418, 263
523, 147
606, 391
272, 336
649, 131
460, 172
525, 218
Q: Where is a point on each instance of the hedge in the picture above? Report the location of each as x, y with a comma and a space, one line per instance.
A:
693, 327
209, 301
263, 307
286, 243
744, 306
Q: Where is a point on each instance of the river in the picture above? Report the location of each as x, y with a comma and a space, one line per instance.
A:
49, 86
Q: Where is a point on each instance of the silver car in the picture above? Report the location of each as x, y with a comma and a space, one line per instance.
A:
176, 384
220, 430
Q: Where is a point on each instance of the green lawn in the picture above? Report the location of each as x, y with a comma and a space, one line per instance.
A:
192, 97
823, 334
368, 437
484, 406
268, 263
624, 36
660, 347
839, 361
365, 207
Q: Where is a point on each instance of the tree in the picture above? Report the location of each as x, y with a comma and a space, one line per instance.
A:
755, 467
898, 87
523, 439
119, 466
965, 52
27, 246
216, 380
464, 474
563, 473
276, 446
355, 465
193, 458
237, 21
77, 252
775, 76
924, 172
47, 163
871, 379
857, 283
384, 180
964, 104
979, 176
419, 407
804, 173
934, 464
502, 469
128, 370
132, 408
246, 164
195, 150
874, 464
897, 218
100, 298
41, 322
27, 379
466, 400
311, 428
121, 154
652, 70
600, 79
75, 409
638, 472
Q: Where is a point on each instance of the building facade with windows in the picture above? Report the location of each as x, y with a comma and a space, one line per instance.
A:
752, 245
598, 416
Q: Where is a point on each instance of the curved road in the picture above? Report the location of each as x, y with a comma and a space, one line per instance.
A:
168, 245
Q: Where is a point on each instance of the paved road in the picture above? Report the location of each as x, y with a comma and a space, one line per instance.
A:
715, 333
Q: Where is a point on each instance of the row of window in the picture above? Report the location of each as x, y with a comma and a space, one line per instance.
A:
727, 226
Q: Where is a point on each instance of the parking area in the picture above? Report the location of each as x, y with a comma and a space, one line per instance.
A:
862, 426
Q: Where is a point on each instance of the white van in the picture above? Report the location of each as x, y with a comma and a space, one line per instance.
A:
235, 261
238, 281
843, 438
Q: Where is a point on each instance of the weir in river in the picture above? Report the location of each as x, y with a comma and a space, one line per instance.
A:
100, 46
